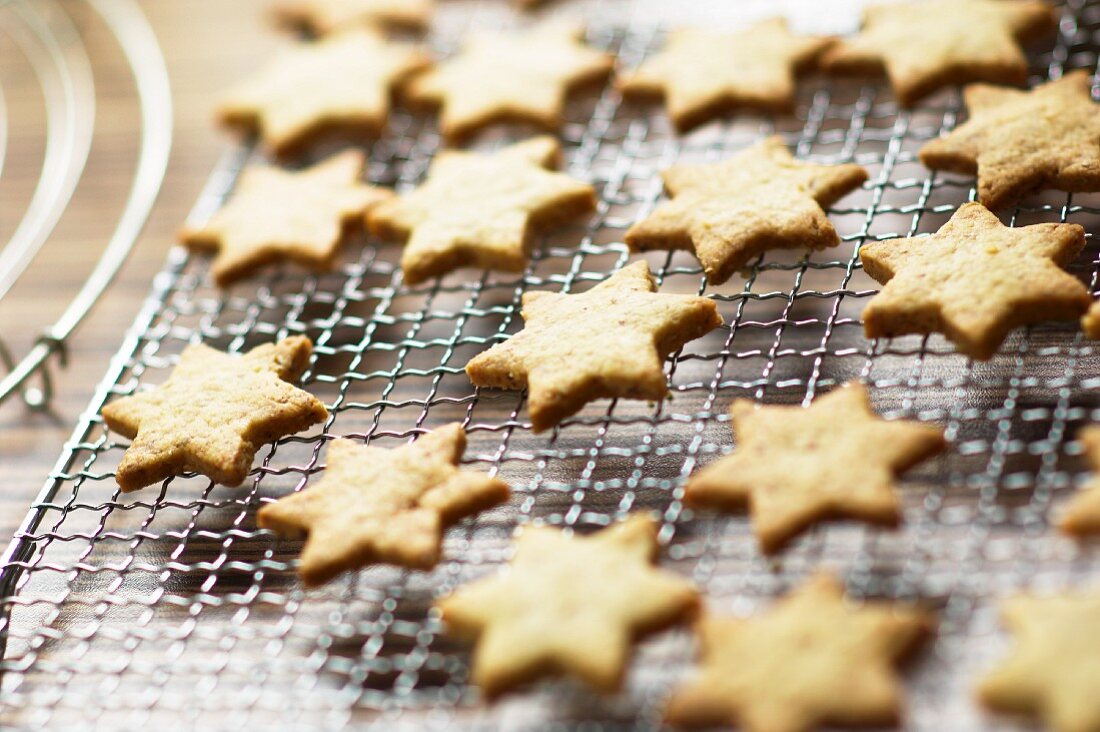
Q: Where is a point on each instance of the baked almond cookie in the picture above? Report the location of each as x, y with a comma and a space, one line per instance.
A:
1019, 142
376, 505
320, 17
213, 413
1051, 673
610, 341
509, 77
924, 46
814, 659
479, 210
703, 73
1090, 322
733, 211
974, 280
794, 467
341, 83
568, 604
1081, 516
281, 215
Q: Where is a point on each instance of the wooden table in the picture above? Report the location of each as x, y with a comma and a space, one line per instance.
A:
236, 38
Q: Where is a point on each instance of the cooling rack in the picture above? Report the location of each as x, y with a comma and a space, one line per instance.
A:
44, 41
170, 607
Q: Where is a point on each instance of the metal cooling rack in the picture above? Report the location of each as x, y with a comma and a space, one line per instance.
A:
44, 40
169, 607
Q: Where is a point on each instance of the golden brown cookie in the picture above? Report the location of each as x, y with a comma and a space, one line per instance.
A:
568, 604
1052, 672
276, 215
341, 83
974, 280
1081, 516
815, 659
1090, 322
610, 341
213, 413
924, 46
376, 505
1018, 142
478, 210
321, 17
509, 77
702, 73
794, 467
733, 211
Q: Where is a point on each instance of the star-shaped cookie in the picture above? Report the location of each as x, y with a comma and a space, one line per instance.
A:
321, 17
213, 413
814, 659
924, 46
1081, 516
377, 505
1090, 321
277, 214
509, 77
1052, 672
733, 211
478, 210
342, 83
703, 73
974, 280
1018, 142
610, 341
794, 467
568, 604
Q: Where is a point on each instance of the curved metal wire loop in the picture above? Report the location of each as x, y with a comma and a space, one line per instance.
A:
138, 43
51, 43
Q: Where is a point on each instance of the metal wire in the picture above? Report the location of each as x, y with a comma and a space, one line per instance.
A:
170, 607
53, 45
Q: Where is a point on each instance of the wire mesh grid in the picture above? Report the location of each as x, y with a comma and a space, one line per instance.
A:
170, 606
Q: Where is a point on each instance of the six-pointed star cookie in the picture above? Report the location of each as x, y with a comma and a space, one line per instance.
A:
732, 211
608, 342
1090, 321
702, 73
276, 214
1018, 142
974, 280
568, 604
508, 77
1052, 672
479, 209
1081, 516
924, 46
341, 83
213, 413
815, 658
795, 466
320, 17
377, 505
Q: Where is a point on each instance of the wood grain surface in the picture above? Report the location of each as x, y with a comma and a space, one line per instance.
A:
235, 38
